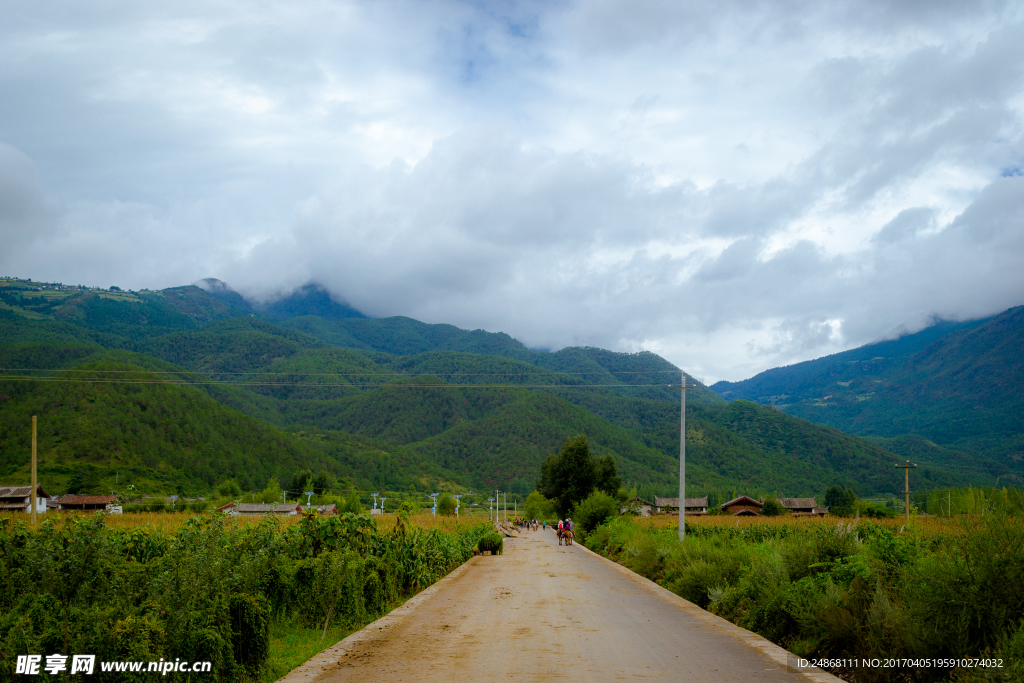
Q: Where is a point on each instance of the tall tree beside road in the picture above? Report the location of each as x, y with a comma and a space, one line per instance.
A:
573, 474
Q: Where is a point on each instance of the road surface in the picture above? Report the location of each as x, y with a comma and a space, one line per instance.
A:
544, 612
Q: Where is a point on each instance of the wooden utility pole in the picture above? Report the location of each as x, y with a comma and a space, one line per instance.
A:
906, 486
33, 500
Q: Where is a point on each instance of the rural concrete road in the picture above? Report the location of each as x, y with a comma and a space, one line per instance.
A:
545, 612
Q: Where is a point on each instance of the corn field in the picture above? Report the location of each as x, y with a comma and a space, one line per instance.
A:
206, 588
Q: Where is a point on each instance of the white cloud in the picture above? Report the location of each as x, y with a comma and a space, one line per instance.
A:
732, 186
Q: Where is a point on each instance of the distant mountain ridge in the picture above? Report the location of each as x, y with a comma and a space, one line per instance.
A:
394, 402
957, 385
311, 299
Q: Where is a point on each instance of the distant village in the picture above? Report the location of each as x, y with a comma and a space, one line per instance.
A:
18, 499
743, 506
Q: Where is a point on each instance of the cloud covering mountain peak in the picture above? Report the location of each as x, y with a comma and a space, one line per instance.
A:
733, 187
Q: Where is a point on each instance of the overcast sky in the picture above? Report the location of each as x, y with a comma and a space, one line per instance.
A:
734, 186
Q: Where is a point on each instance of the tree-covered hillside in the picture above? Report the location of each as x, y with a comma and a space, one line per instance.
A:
958, 387
397, 402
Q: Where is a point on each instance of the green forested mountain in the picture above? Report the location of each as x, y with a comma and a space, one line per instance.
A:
953, 393
396, 403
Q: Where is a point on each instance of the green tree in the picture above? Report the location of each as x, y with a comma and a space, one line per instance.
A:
351, 503
539, 507
569, 476
594, 511
446, 505
840, 501
321, 483
300, 483
229, 489
271, 494
608, 479
772, 508
84, 482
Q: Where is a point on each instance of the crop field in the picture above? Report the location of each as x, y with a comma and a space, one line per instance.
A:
926, 524
847, 589
253, 596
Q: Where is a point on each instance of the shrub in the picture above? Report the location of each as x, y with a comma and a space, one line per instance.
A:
696, 581
875, 511
250, 630
594, 510
446, 505
772, 508
492, 542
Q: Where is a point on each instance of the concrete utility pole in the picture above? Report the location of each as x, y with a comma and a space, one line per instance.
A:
33, 500
906, 486
682, 455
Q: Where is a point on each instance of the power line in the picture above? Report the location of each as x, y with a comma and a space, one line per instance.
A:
404, 385
349, 374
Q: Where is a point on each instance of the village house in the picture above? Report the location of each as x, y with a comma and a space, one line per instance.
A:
283, 509
18, 498
803, 507
743, 506
71, 501
331, 509
694, 506
643, 505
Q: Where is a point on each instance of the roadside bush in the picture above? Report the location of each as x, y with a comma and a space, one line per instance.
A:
696, 582
250, 626
849, 589
593, 511
493, 543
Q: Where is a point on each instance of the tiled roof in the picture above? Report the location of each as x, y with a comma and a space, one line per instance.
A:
323, 509
262, 508
743, 500
21, 491
791, 503
674, 502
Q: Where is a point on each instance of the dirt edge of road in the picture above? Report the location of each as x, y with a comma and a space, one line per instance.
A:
778, 654
316, 664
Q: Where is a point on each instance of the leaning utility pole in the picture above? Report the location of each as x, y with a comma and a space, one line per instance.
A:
906, 486
33, 500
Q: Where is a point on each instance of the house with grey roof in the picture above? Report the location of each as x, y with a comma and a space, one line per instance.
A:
19, 498
694, 506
